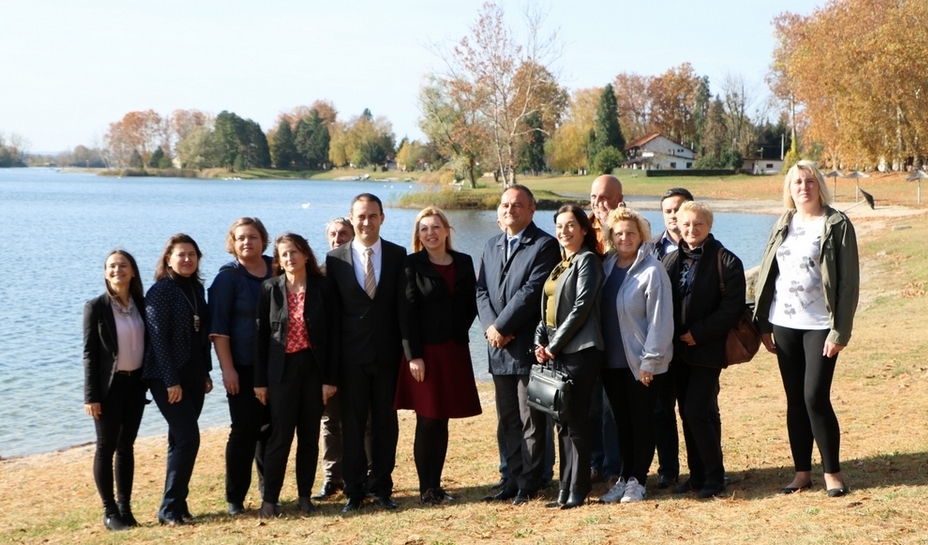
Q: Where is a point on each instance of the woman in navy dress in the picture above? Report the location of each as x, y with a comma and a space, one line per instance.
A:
436, 376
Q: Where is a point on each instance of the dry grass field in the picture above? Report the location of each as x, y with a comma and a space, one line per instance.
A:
880, 394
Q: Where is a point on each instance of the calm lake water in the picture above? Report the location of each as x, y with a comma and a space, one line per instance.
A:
59, 227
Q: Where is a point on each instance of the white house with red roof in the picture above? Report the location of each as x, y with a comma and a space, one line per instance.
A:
656, 151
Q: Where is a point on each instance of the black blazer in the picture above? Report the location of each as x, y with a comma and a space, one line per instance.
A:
101, 346
432, 314
370, 328
709, 314
320, 313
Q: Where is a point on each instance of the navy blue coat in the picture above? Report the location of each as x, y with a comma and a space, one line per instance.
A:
509, 295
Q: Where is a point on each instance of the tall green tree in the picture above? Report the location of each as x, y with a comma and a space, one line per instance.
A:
606, 129
156, 157
229, 132
255, 151
532, 156
312, 140
283, 151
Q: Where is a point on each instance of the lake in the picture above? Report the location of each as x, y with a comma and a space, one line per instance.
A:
63, 225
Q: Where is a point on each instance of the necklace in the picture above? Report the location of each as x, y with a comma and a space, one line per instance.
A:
127, 311
193, 307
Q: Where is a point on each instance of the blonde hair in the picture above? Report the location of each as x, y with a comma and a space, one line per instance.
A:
697, 207
242, 222
795, 172
425, 213
626, 214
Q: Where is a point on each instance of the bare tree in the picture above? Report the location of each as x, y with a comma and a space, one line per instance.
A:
511, 78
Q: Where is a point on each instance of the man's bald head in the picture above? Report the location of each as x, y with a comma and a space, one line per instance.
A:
605, 196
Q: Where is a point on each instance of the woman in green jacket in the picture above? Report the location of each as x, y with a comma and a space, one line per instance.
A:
807, 292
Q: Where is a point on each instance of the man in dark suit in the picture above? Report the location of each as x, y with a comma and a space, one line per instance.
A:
512, 272
368, 274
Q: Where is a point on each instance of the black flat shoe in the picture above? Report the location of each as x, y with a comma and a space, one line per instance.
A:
499, 484
794, 489
236, 508
385, 502
574, 500
666, 482
710, 490
306, 506
838, 492
328, 490
114, 522
441, 495
125, 513
269, 510
523, 496
503, 495
687, 486
353, 504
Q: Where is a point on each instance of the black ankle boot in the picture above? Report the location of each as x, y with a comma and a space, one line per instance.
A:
112, 520
125, 513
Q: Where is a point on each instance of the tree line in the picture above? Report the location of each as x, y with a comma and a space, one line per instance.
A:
13, 152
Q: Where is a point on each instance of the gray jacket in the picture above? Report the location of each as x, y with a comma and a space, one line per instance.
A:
645, 308
576, 307
840, 274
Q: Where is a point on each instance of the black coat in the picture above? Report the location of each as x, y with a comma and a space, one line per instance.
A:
101, 346
432, 314
320, 314
370, 329
709, 314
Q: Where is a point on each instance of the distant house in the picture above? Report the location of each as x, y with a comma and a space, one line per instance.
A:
656, 151
759, 165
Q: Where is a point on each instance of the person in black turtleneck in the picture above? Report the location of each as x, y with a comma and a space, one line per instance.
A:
177, 365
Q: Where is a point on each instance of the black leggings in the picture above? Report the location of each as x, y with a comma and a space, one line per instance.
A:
430, 450
807, 376
117, 427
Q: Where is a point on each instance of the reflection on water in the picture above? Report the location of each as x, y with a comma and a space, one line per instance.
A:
59, 227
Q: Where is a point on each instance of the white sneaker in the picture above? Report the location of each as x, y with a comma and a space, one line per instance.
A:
633, 491
615, 493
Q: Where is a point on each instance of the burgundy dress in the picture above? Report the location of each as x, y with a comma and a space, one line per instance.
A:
449, 389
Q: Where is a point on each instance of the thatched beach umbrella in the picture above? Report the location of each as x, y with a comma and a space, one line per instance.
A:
917, 176
857, 175
835, 174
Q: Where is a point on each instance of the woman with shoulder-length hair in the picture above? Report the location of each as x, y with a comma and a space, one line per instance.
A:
570, 334
703, 316
177, 364
637, 321
807, 291
436, 376
296, 369
114, 392
233, 298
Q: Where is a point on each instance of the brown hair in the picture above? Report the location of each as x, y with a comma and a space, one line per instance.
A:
241, 222
162, 269
425, 213
312, 267
589, 239
136, 291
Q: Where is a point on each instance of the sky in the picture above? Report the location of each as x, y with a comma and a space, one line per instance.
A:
69, 68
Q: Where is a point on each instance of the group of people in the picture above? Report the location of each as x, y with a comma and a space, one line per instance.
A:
638, 319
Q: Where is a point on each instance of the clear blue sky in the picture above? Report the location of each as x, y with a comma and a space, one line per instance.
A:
68, 68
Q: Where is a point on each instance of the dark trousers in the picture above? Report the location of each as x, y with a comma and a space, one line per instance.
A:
117, 428
332, 441
430, 450
248, 436
807, 376
603, 434
698, 395
523, 431
183, 438
666, 436
547, 468
296, 404
574, 434
633, 403
369, 390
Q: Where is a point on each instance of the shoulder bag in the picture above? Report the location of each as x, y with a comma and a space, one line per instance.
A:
743, 340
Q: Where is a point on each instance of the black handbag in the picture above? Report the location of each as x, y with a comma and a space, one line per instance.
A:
549, 391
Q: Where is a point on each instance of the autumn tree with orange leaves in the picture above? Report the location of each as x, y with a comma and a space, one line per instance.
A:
854, 72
